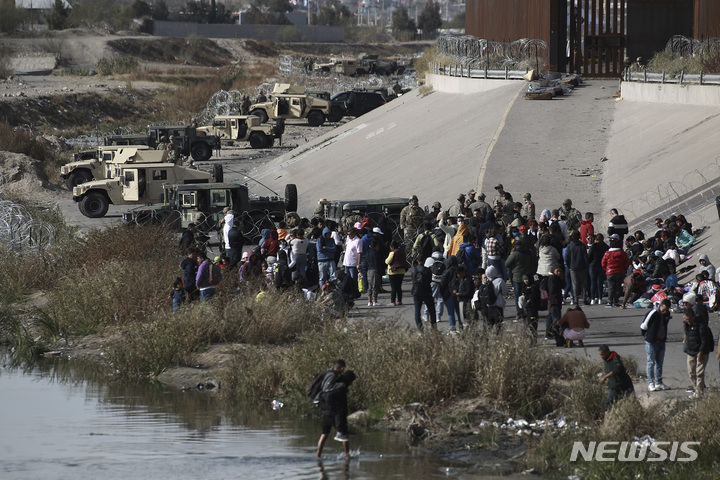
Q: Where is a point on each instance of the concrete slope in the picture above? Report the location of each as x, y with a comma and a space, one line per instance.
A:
553, 149
663, 158
431, 146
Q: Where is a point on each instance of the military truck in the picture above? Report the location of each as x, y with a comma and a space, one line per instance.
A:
363, 65
203, 204
91, 164
136, 180
199, 147
384, 212
242, 128
293, 102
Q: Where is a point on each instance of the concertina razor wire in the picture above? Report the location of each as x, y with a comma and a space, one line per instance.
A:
19, 232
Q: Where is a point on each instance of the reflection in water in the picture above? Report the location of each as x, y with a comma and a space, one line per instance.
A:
69, 420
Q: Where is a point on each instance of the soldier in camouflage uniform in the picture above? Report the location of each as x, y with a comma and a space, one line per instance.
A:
348, 220
163, 145
245, 105
572, 216
261, 98
411, 219
173, 155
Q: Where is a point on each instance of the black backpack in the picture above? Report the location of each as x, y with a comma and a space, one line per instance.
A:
486, 297
313, 390
464, 259
437, 270
425, 248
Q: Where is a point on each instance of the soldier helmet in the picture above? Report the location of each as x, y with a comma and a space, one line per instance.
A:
163, 138
346, 206
527, 195
567, 202
414, 197
461, 197
436, 205
172, 137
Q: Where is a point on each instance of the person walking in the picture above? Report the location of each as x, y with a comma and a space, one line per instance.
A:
654, 329
332, 399
618, 381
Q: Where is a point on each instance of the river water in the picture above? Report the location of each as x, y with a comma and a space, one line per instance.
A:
65, 420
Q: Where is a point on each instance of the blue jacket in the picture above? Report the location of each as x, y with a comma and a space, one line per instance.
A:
472, 253
325, 247
576, 256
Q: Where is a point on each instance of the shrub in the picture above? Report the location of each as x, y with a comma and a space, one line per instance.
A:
117, 66
22, 140
114, 277
169, 339
6, 54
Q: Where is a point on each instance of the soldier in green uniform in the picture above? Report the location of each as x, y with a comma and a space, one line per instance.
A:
349, 219
261, 98
173, 155
245, 105
411, 219
163, 145
572, 216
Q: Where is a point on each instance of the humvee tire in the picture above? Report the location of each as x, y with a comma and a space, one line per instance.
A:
201, 152
360, 72
218, 173
260, 113
315, 118
291, 197
94, 205
77, 177
258, 140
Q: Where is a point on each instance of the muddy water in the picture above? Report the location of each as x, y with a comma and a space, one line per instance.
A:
60, 420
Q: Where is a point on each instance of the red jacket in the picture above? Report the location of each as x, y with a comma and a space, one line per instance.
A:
585, 228
615, 261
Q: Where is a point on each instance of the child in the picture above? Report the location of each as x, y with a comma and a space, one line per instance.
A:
177, 294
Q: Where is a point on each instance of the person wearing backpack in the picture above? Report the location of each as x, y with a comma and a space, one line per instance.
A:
521, 263
555, 285
499, 290
469, 255
203, 276
425, 243
464, 294
422, 291
436, 270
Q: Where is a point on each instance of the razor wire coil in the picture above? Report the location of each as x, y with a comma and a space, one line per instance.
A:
19, 232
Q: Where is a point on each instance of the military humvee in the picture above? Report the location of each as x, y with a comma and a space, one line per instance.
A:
200, 148
384, 212
234, 128
203, 204
92, 165
138, 179
293, 102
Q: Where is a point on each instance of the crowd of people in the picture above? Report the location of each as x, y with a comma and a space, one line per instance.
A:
472, 258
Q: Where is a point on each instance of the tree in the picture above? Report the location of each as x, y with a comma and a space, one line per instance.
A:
333, 13
430, 21
10, 17
160, 11
279, 6
401, 21
58, 19
140, 8
255, 16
